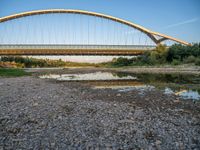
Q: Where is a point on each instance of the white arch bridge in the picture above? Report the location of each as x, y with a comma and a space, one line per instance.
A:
75, 32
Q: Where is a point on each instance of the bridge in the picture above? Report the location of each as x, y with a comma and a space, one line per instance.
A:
75, 32
125, 50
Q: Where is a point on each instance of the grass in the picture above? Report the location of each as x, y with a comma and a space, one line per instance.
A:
13, 72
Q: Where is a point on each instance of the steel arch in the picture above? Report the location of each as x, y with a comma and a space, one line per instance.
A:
148, 32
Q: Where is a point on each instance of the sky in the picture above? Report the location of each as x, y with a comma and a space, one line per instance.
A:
177, 18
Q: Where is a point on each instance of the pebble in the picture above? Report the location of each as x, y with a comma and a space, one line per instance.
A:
118, 95
177, 101
35, 104
158, 142
93, 120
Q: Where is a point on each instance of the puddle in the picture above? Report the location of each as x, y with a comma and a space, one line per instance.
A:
139, 88
189, 95
97, 76
185, 86
185, 94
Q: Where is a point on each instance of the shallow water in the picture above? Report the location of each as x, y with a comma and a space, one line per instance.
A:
185, 86
88, 77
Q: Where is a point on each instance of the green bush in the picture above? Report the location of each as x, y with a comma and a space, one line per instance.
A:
176, 62
197, 62
157, 56
144, 59
190, 59
181, 52
122, 62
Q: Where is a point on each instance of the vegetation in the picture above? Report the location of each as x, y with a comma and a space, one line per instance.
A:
177, 54
27, 62
13, 72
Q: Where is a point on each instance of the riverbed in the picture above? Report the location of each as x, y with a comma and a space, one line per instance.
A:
94, 108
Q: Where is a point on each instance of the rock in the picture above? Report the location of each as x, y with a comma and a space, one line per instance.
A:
60, 117
158, 142
35, 104
118, 95
177, 101
53, 144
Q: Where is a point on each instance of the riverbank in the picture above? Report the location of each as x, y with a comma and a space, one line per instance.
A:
136, 69
48, 114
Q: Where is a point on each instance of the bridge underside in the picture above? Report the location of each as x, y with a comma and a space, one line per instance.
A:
70, 52
127, 50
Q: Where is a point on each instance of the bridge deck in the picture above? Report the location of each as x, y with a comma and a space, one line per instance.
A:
73, 49
69, 52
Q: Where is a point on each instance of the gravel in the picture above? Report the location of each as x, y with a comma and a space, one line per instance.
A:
46, 114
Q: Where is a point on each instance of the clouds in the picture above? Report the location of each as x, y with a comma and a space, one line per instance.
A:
182, 23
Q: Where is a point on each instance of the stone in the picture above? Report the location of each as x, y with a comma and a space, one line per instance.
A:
35, 104
158, 142
118, 95
177, 101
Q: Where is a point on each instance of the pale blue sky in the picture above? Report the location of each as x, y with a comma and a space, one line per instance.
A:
178, 18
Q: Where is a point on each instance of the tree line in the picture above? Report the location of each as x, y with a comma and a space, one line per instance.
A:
176, 54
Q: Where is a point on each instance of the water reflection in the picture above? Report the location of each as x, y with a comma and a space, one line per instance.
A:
185, 86
96, 76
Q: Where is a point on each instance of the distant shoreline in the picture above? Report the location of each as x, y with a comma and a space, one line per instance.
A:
165, 70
